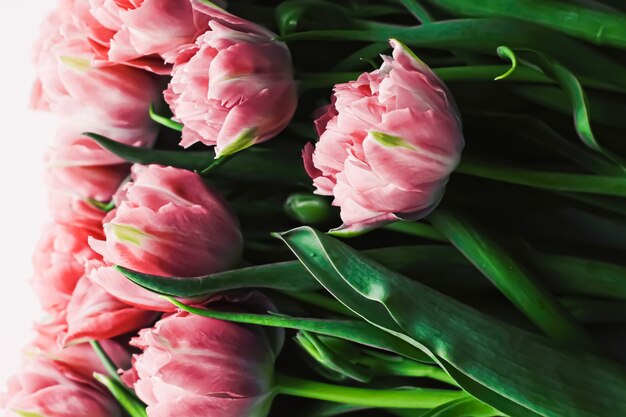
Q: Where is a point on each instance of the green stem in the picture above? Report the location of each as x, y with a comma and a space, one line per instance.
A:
107, 362
112, 369
165, 121
579, 183
128, 401
416, 229
216, 164
391, 398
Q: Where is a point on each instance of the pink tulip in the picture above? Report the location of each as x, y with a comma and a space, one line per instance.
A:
71, 84
79, 173
52, 389
59, 263
234, 87
93, 314
169, 223
140, 30
73, 189
81, 358
388, 143
195, 366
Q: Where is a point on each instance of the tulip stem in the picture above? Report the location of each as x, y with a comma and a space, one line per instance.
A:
416, 229
165, 121
391, 398
215, 164
115, 382
107, 362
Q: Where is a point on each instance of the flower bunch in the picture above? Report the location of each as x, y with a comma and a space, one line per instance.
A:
485, 277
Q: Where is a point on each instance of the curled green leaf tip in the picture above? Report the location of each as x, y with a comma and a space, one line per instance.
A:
505, 52
165, 121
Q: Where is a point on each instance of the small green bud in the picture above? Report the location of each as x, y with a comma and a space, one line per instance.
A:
308, 208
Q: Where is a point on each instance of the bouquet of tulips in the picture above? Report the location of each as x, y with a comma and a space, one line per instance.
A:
311, 208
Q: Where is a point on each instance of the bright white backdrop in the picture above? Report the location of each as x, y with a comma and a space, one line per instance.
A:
22, 201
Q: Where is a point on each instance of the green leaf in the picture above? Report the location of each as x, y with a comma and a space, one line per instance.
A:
179, 159
419, 229
463, 407
354, 331
485, 35
538, 131
573, 88
436, 265
165, 121
132, 405
573, 275
516, 372
258, 164
417, 10
271, 276
509, 276
555, 181
355, 60
595, 26
291, 15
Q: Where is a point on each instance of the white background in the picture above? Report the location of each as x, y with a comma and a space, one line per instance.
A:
24, 135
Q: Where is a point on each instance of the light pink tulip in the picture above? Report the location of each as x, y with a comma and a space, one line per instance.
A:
52, 389
71, 188
59, 262
80, 171
93, 314
195, 366
388, 143
81, 358
140, 31
169, 223
71, 84
234, 87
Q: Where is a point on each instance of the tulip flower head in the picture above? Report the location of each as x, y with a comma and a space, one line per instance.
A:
167, 222
234, 87
195, 366
49, 388
143, 33
388, 143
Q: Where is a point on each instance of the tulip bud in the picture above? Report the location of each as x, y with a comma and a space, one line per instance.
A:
388, 144
234, 87
169, 223
308, 208
197, 367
